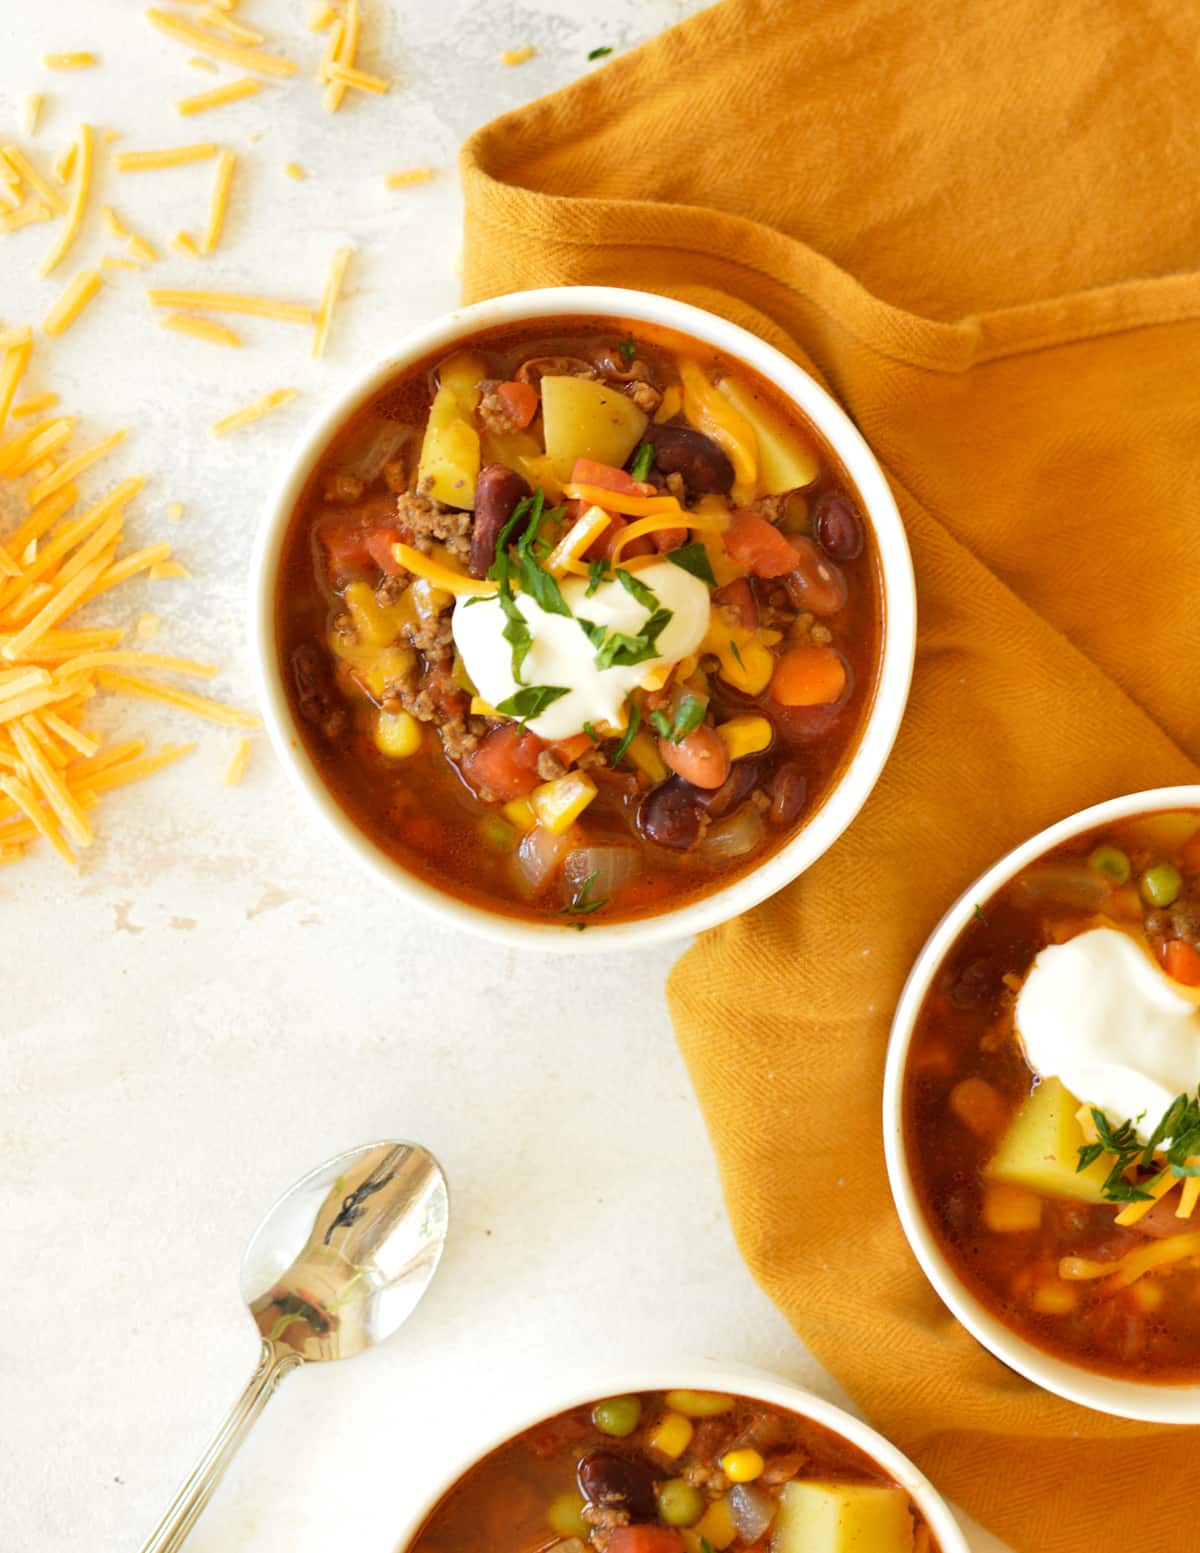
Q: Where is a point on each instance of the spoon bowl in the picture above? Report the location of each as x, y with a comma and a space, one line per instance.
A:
337, 1265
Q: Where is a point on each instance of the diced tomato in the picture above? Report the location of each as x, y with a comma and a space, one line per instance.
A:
504, 762
1181, 961
609, 478
346, 548
521, 402
669, 538
645, 1539
603, 544
758, 545
379, 547
740, 595
346, 533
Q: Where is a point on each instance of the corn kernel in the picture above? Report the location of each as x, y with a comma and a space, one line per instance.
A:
671, 1435
482, 708
672, 403
1010, 1210
742, 1466
643, 751
699, 1404
768, 637
745, 663
377, 625
716, 1526
745, 735
520, 813
1054, 1298
397, 734
559, 804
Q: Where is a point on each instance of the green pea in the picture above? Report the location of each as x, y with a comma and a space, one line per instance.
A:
564, 1514
499, 833
1161, 884
679, 1503
1111, 862
618, 1416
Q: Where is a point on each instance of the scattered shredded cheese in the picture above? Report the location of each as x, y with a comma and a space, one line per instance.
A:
111, 262
68, 471
28, 215
344, 54
333, 285
232, 91
145, 627
201, 329
294, 170
80, 61
203, 64
11, 338
29, 174
216, 48
321, 17
236, 769
31, 107
142, 249
254, 412
231, 29
518, 56
409, 176
72, 302
83, 184
185, 243
64, 162
233, 302
113, 222
175, 510
35, 406
347, 75
173, 156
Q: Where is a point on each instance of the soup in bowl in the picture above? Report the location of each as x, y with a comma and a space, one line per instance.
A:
679, 1470
580, 612
1043, 1112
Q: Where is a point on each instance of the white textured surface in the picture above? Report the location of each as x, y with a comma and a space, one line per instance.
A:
214, 1005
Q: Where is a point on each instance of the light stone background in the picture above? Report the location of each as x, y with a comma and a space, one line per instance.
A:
216, 1004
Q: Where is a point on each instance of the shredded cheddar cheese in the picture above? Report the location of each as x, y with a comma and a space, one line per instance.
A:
408, 176
232, 91
78, 61
201, 329
185, 243
440, 576
333, 286
347, 75
115, 262
28, 215
175, 511
31, 108
239, 761
321, 17
64, 162
34, 406
29, 175
216, 48
518, 56
344, 54
294, 170
72, 302
173, 156
226, 24
233, 302
74, 220
68, 471
254, 412
142, 249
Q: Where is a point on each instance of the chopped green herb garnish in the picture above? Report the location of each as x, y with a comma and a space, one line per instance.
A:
645, 596
694, 558
582, 905
621, 650
600, 52
628, 350
591, 733
642, 460
1124, 1145
634, 723
689, 714
516, 630
979, 916
579, 927
733, 648
596, 571
594, 633
538, 583
531, 700
1180, 1123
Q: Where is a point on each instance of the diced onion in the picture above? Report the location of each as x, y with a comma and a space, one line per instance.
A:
608, 869
538, 859
1074, 885
733, 838
366, 457
751, 1511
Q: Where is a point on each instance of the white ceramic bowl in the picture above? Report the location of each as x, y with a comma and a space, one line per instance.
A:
1170, 1404
580, 1387
899, 632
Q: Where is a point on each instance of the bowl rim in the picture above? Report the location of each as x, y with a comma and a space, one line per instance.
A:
594, 1383
1143, 1401
898, 624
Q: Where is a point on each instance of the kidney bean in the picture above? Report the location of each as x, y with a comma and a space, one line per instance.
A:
838, 527
799, 725
816, 584
680, 450
701, 759
619, 1481
497, 492
788, 790
672, 814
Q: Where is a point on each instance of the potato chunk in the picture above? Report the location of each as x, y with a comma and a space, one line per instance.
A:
1041, 1148
449, 463
785, 461
842, 1518
583, 418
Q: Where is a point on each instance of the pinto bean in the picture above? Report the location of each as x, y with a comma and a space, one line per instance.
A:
497, 492
816, 584
680, 450
701, 759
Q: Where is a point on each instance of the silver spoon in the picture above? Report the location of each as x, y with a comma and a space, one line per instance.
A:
337, 1265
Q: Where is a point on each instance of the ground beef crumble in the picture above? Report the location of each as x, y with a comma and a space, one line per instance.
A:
427, 520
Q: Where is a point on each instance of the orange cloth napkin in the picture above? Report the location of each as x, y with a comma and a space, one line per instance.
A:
974, 224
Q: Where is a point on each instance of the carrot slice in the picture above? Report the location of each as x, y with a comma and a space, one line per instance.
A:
1181, 961
809, 676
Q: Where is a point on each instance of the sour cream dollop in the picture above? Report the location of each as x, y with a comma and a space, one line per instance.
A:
1098, 1014
562, 654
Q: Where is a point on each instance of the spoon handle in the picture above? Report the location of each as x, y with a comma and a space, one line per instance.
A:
273, 1364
